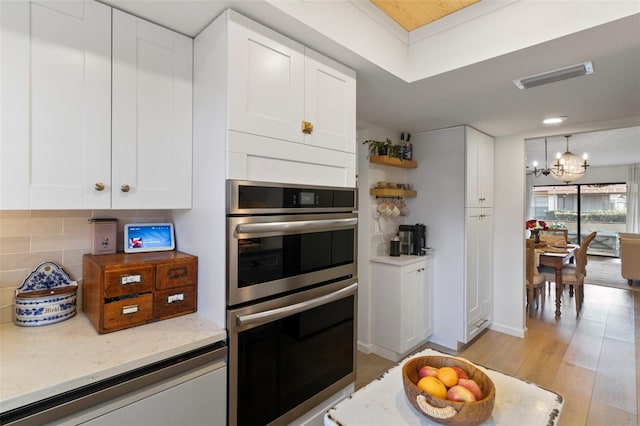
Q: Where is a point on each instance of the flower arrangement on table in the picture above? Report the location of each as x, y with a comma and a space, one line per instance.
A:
534, 226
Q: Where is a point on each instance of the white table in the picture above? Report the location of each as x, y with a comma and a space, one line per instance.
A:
383, 402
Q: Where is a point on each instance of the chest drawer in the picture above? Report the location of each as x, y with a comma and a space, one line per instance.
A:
128, 312
174, 301
183, 272
122, 281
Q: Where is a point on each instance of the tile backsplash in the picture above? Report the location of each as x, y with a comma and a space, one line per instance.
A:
30, 237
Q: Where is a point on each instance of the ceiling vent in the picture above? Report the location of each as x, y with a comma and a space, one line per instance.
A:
578, 70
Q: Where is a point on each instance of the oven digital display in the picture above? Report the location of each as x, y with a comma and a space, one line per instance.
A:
307, 198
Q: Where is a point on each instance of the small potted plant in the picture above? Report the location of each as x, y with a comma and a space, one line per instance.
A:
380, 147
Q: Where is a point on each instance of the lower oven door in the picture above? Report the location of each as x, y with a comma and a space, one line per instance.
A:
289, 354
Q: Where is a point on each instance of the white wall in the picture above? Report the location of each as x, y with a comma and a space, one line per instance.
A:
508, 244
374, 231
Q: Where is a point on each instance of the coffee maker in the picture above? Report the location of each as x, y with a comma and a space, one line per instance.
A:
413, 239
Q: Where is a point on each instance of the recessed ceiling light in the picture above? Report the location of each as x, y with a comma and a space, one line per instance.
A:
554, 120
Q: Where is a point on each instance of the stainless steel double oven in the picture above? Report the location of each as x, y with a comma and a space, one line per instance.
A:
291, 298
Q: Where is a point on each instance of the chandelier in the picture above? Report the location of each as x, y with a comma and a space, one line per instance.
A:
566, 168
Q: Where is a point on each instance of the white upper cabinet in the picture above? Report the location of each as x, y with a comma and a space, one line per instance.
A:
73, 138
152, 86
479, 162
276, 85
56, 99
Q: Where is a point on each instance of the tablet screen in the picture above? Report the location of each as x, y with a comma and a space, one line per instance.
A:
141, 237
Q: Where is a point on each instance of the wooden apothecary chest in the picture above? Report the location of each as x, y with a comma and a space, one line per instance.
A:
123, 290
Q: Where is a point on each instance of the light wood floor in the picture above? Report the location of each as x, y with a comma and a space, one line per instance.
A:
590, 360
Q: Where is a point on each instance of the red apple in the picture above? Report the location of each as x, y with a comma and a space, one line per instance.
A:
461, 373
460, 393
472, 386
427, 370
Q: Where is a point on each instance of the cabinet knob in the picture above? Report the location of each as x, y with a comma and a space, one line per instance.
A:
99, 186
124, 188
307, 127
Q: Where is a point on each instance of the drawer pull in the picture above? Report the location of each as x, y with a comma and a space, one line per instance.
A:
179, 272
175, 298
130, 279
480, 323
129, 310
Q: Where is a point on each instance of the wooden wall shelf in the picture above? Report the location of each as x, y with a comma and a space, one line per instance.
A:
387, 192
393, 161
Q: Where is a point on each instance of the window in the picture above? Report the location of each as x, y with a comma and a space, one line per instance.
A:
583, 209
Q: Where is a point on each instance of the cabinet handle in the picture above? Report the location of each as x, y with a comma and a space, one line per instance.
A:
480, 323
307, 127
124, 188
99, 186
130, 310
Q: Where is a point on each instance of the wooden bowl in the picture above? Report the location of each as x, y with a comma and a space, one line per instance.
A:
444, 411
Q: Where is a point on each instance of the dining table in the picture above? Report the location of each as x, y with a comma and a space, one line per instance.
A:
557, 258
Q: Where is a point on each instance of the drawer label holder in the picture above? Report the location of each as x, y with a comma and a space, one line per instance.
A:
130, 279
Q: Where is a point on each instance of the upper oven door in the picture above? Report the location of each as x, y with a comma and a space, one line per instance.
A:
270, 255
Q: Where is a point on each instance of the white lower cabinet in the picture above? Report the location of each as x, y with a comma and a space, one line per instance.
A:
402, 304
198, 401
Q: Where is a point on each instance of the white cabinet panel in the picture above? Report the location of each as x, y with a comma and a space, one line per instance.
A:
152, 72
266, 81
56, 68
199, 401
478, 296
330, 93
479, 169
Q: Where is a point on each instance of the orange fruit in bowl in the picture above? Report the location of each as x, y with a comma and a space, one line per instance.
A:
448, 376
432, 386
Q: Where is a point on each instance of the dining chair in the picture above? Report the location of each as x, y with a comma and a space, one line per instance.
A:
557, 231
573, 275
534, 280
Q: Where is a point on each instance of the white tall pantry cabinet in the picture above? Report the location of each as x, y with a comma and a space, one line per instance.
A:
456, 176
61, 146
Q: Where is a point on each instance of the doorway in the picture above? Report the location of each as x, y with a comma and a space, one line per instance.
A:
582, 209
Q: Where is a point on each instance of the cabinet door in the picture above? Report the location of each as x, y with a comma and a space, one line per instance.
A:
266, 81
152, 87
479, 169
199, 401
478, 253
56, 94
425, 300
330, 103
412, 309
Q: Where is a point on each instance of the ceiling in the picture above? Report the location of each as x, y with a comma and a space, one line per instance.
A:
482, 94
413, 14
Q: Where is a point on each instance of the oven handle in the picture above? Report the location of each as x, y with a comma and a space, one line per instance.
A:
297, 226
275, 314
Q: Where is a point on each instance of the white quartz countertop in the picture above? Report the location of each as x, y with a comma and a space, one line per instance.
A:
401, 260
39, 362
